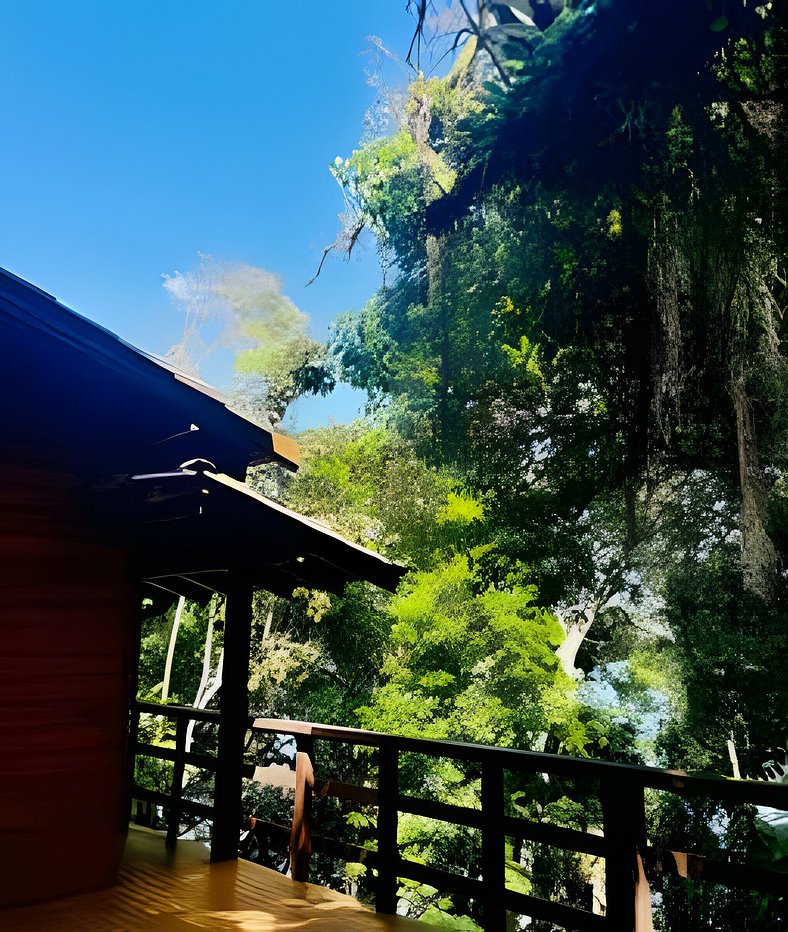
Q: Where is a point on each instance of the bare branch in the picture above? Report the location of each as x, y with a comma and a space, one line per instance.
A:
481, 38
346, 242
326, 251
377, 42
421, 7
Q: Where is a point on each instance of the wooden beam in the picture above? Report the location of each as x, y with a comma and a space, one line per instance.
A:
443, 812
558, 914
442, 880
179, 711
233, 720
566, 838
201, 810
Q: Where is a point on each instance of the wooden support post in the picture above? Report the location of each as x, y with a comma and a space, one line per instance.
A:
134, 713
233, 720
493, 848
306, 744
623, 813
176, 789
388, 853
300, 837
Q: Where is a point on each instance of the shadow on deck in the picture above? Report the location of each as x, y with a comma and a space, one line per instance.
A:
179, 889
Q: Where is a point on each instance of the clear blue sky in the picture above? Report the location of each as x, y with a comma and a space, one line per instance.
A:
135, 134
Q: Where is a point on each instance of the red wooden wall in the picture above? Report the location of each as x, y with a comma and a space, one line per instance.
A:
66, 622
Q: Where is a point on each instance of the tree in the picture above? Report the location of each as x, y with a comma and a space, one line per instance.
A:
242, 307
579, 387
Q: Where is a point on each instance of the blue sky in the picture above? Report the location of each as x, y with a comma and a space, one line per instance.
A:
137, 134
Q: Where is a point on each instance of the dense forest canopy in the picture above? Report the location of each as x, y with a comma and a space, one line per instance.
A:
577, 429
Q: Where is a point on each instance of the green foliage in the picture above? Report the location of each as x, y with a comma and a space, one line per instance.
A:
731, 650
460, 509
384, 182
593, 256
370, 485
149, 772
525, 356
441, 915
680, 140
280, 666
188, 657
389, 183
579, 409
316, 657
469, 663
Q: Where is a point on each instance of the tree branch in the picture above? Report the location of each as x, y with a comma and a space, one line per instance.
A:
482, 40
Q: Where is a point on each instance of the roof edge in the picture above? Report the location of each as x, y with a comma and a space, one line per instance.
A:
286, 450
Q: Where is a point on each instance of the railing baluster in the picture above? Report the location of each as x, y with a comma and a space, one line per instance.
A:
176, 789
493, 848
388, 854
624, 825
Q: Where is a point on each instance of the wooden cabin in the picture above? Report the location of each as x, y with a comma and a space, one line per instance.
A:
119, 473
121, 477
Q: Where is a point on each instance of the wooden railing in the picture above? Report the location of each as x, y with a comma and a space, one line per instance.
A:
173, 802
623, 843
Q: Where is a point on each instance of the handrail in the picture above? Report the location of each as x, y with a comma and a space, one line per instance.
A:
623, 842
179, 756
761, 793
620, 789
177, 711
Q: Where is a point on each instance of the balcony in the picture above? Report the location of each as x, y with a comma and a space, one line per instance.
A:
621, 842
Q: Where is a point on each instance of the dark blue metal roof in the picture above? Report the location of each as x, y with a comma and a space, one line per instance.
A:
75, 393
119, 425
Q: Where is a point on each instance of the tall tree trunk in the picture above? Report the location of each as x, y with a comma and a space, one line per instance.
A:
760, 562
165, 687
576, 623
668, 282
206, 692
754, 303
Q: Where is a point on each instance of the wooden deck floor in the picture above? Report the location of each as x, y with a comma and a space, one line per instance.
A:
181, 890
